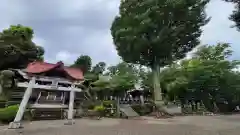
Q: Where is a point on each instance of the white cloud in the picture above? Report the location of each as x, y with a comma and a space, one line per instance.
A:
39, 41
218, 29
68, 29
101, 42
64, 56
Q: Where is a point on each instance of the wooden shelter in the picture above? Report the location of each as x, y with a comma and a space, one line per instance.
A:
48, 86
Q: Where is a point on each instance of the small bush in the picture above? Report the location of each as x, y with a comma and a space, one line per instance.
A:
99, 108
142, 110
110, 108
89, 105
108, 103
8, 114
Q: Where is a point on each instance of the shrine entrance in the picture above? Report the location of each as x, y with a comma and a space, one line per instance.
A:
53, 87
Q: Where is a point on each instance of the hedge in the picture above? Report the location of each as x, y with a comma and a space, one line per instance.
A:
8, 114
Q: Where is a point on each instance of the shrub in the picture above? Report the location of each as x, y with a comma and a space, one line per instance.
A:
108, 103
100, 109
110, 108
142, 109
88, 105
8, 114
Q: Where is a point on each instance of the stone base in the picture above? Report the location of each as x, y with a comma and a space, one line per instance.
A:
69, 122
15, 125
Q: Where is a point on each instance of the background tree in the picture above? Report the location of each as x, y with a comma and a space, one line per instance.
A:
208, 78
17, 48
84, 62
117, 81
235, 16
99, 68
155, 33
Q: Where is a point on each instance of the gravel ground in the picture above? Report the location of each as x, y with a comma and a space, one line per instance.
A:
188, 125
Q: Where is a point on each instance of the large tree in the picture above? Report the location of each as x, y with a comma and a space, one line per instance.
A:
156, 32
17, 48
84, 62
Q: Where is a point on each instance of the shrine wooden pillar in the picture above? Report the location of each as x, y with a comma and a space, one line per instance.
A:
70, 120
17, 121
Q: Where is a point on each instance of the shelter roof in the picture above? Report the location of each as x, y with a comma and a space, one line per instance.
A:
38, 67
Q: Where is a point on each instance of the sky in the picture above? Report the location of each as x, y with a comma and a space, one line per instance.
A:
70, 28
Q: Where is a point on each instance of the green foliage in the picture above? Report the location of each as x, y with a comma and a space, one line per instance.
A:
235, 16
142, 109
110, 108
7, 83
208, 77
84, 62
114, 82
8, 114
17, 48
217, 52
91, 76
157, 31
99, 68
101, 84
99, 108
108, 103
88, 105
121, 78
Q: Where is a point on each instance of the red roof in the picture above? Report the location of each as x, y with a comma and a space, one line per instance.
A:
41, 67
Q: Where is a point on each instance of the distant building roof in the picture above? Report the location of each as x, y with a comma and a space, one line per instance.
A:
42, 67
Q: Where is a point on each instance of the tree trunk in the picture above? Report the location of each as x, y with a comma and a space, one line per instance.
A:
1, 84
118, 107
156, 85
1, 89
142, 100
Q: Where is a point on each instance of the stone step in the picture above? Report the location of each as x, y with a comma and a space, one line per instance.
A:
16, 96
128, 111
50, 101
2, 104
47, 114
13, 102
173, 109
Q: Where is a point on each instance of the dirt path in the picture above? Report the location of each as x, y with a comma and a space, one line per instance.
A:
189, 125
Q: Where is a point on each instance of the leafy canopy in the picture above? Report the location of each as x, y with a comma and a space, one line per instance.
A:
84, 62
99, 68
121, 79
235, 16
17, 48
207, 77
152, 32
